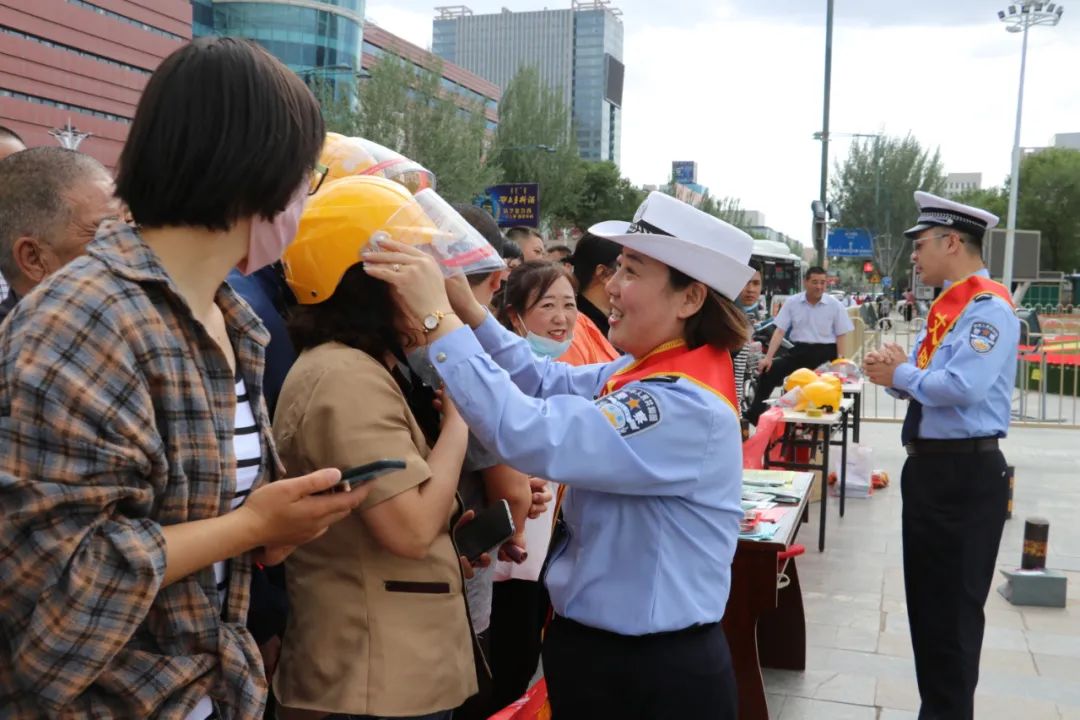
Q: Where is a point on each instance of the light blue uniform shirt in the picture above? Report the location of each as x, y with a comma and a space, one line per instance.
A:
654, 470
966, 391
821, 323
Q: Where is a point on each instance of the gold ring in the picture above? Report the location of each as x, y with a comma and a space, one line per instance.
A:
397, 267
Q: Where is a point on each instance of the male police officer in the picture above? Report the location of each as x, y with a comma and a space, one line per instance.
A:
959, 381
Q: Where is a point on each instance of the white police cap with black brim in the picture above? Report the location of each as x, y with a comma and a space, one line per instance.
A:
937, 211
687, 239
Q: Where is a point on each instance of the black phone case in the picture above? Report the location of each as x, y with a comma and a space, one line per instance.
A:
491, 527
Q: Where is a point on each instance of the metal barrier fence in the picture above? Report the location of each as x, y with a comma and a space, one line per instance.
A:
1047, 387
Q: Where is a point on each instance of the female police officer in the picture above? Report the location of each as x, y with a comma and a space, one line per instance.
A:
648, 444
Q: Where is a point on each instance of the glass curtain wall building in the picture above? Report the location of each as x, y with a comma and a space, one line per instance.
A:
321, 40
577, 51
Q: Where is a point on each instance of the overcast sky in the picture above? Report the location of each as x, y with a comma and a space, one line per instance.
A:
737, 86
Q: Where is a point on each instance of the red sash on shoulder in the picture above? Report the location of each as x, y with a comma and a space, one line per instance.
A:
705, 366
948, 308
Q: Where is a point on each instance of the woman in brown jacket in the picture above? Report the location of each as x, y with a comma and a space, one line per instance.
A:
378, 624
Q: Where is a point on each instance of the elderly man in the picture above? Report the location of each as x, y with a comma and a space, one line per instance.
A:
51, 203
10, 143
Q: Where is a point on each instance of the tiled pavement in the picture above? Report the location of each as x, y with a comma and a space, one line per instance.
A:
859, 664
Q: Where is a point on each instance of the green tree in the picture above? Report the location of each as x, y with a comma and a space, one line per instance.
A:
1050, 203
604, 196
535, 143
993, 199
404, 108
874, 189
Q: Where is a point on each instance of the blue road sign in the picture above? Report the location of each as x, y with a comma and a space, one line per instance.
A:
850, 242
886, 281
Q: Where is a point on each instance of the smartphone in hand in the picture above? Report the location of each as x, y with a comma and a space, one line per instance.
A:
491, 527
363, 474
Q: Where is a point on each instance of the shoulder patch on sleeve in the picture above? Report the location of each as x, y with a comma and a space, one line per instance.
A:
668, 379
630, 410
983, 337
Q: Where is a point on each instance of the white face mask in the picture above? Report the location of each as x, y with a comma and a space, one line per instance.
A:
545, 346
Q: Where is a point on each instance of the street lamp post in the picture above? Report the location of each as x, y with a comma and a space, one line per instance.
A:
1018, 18
820, 227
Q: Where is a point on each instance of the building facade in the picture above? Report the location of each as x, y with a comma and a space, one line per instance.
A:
578, 52
956, 183
83, 63
1067, 140
320, 40
468, 90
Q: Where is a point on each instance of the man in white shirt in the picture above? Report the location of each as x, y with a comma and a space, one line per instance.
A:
816, 323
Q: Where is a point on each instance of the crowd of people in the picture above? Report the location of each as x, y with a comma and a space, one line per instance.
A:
193, 353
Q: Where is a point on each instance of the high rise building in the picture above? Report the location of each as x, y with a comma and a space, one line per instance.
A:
82, 64
320, 40
578, 52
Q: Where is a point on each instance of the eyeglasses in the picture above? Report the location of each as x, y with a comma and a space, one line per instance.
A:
318, 177
922, 241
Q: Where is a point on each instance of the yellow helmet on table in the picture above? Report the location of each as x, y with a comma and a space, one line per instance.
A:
822, 394
800, 377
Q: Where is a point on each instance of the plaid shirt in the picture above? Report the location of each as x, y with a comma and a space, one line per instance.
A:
116, 419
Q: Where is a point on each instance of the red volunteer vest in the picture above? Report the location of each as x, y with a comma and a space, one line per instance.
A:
948, 308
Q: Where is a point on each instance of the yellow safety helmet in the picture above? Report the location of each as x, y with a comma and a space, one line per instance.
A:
832, 379
800, 377
345, 156
822, 394
338, 224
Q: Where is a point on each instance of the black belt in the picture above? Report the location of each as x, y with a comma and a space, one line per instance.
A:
589, 630
943, 447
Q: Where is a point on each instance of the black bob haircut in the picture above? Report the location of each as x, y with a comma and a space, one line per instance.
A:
223, 131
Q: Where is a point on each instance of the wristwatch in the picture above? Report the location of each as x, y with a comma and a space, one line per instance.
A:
431, 321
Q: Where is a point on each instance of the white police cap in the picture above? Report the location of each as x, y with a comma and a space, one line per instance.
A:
937, 211
687, 239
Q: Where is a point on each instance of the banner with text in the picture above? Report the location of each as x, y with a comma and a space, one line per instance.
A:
513, 204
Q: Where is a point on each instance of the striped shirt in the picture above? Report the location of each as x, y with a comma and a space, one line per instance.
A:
248, 450
117, 414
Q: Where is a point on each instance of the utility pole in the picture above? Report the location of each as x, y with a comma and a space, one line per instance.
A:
820, 228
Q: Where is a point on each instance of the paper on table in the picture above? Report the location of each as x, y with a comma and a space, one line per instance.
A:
768, 478
763, 531
775, 514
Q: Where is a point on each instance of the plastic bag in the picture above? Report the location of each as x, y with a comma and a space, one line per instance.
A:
847, 370
858, 484
533, 705
433, 226
790, 399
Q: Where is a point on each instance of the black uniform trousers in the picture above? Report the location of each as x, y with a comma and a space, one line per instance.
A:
685, 675
953, 517
803, 355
